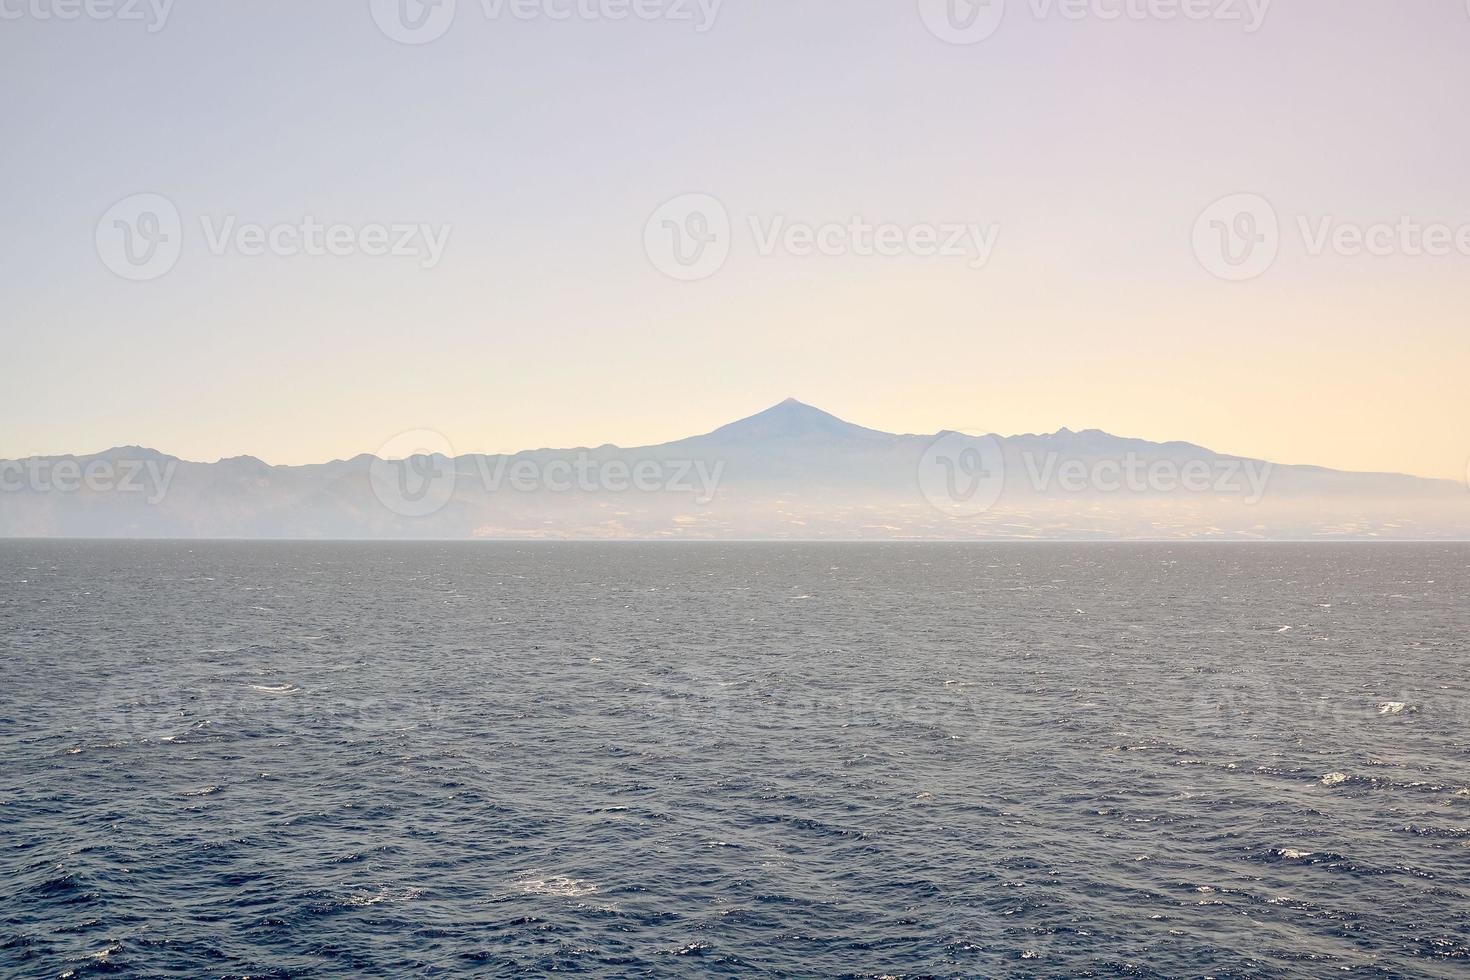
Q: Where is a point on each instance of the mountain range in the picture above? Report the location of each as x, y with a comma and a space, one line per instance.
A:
791, 472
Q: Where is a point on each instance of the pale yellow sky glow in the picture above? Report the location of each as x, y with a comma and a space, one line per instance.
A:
544, 149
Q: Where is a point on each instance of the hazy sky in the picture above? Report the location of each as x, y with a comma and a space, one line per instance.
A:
547, 143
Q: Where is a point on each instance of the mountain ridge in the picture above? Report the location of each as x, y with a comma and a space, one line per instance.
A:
783, 413
788, 472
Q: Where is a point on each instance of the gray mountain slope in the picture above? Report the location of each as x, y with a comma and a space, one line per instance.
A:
791, 471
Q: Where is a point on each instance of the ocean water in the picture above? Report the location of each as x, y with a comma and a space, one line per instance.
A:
389, 760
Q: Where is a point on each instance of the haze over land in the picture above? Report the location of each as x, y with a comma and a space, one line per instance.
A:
790, 472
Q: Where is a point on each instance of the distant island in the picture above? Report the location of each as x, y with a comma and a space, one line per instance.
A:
791, 472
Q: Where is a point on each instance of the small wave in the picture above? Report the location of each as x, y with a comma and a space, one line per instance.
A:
102, 955
1335, 778
1388, 708
1291, 854
275, 688
1442, 833
197, 732
696, 948
112, 744
385, 894
64, 888
559, 886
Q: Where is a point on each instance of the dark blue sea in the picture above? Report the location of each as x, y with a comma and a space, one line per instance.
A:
403, 760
